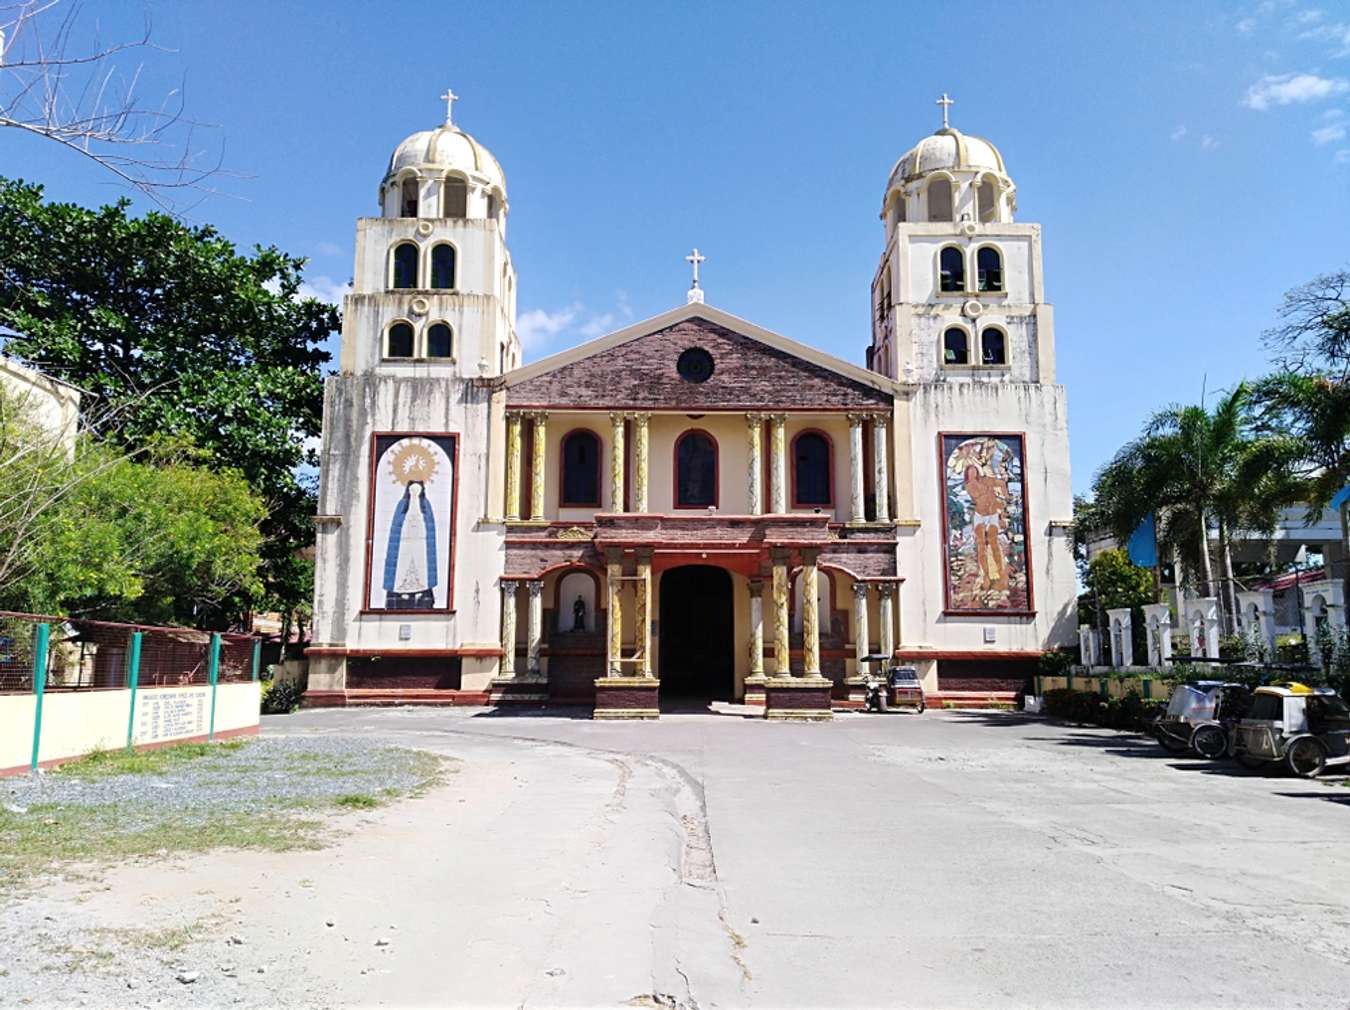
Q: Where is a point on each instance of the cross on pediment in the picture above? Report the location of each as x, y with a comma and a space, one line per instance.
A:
449, 99
946, 104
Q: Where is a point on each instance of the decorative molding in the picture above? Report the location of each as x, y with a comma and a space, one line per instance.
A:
575, 533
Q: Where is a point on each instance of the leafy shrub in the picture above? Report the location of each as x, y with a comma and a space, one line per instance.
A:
1089, 708
281, 697
1056, 662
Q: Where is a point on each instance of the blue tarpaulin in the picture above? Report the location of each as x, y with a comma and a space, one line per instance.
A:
1342, 496
1142, 546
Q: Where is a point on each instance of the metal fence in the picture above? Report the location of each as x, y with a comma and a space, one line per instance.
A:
86, 655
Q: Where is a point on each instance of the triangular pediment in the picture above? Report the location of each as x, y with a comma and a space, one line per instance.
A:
753, 369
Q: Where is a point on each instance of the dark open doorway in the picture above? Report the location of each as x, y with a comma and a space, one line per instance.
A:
696, 634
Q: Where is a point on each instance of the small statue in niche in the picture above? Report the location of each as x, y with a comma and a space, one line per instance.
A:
579, 614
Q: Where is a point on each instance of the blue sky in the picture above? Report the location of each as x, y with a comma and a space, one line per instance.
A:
1188, 162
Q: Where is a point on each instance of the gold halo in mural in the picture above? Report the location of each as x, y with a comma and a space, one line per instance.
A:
413, 459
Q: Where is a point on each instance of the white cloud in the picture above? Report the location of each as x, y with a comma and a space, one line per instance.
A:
1328, 135
1208, 143
537, 326
1311, 16
328, 248
324, 288
1178, 133
1246, 26
1334, 114
1292, 89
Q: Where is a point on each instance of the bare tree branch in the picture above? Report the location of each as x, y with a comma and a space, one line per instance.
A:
77, 94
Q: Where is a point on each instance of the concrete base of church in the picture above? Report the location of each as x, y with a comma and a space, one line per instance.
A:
798, 698
525, 690
855, 693
627, 698
754, 690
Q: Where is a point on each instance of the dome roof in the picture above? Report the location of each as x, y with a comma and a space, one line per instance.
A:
448, 147
948, 149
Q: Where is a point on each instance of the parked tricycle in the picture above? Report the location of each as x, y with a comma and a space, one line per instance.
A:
1200, 717
896, 687
1305, 728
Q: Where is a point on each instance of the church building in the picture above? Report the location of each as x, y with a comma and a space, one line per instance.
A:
692, 507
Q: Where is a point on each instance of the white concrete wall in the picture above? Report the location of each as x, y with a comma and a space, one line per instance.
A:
1040, 413
52, 405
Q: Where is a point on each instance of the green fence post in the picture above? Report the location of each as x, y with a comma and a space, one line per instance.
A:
257, 656
41, 638
1148, 688
133, 679
1040, 687
215, 675
1068, 679
1102, 689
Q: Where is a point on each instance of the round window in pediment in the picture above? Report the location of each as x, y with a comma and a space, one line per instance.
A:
695, 365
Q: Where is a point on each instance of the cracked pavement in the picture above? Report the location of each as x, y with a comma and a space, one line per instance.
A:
948, 860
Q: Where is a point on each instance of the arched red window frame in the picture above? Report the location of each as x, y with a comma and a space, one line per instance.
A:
792, 470
675, 471
562, 470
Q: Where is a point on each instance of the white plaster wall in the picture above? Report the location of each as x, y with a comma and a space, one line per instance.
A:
53, 406
355, 407
1040, 412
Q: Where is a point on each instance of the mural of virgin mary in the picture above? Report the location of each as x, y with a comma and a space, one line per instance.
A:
410, 558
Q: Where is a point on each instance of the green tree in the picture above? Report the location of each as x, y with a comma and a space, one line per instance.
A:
1196, 470
1309, 396
175, 333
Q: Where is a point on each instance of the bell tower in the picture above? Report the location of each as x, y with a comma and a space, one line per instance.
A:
434, 290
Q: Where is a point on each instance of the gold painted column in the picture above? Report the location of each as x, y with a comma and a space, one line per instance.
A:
881, 458
756, 628
614, 586
538, 444
512, 465
640, 462
642, 618
855, 469
810, 614
886, 617
754, 430
861, 635
508, 665
781, 654
616, 457
777, 464
534, 628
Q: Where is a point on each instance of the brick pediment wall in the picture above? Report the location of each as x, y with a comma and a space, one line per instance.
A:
747, 375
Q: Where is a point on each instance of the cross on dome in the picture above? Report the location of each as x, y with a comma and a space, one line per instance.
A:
695, 292
449, 99
946, 104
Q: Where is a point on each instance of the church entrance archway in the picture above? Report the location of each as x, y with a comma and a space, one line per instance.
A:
697, 622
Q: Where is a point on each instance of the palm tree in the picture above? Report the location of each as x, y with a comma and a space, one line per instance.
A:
1194, 469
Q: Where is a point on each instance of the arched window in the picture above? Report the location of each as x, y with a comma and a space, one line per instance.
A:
695, 470
492, 206
951, 270
408, 205
940, 200
580, 484
399, 341
443, 266
440, 341
405, 265
993, 347
812, 483
989, 269
901, 213
455, 198
955, 347
987, 198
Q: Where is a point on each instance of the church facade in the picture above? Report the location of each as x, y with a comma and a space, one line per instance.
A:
692, 506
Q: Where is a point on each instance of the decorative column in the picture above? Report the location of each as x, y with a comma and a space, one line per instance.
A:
881, 459
855, 468
861, 635
640, 462
508, 665
1158, 624
754, 431
1257, 610
777, 464
810, 614
616, 457
886, 618
642, 618
534, 628
538, 444
512, 466
1122, 638
781, 655
614, 586
756, 644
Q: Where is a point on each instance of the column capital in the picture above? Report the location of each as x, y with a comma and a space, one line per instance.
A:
777, 419
535, 587
860, 591
779, 555
756, 588
639, 416
856, 418
509, 583
754, 418
881, 419
617, 417
809, 554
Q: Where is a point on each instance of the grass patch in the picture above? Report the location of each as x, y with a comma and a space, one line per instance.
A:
357, 801
160, 761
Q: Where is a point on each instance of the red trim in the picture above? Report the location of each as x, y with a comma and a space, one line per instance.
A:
717, 470
947, 610
223, 734
484, 650
829, 469
721, 408
563, 503
1013, 654
449, 607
